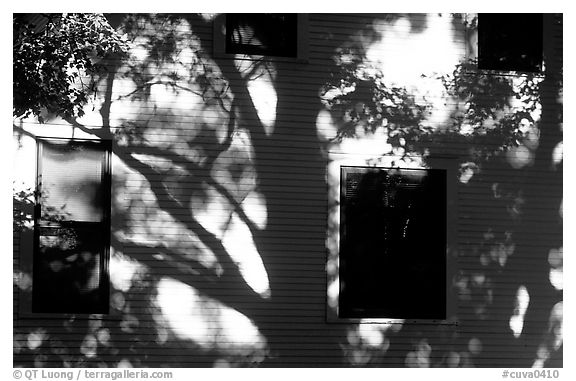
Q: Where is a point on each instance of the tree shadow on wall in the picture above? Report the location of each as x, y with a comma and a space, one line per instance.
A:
199, 269
217, 242
510, 231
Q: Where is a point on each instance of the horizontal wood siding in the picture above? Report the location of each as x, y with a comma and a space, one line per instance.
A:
220, 240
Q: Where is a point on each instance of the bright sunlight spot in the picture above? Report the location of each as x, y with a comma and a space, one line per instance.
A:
239, 243
205, 321
517, 320
264, 97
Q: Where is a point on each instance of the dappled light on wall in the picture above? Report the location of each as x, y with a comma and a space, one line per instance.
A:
555, 260
124, 271
522, 154
367, 342
416, 62
522, 302
208, 323
259, 77
553, 338
239, 242
420, 357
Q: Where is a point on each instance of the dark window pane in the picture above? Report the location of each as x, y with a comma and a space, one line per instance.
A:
510, 42
393, 243
68, 271
261, 34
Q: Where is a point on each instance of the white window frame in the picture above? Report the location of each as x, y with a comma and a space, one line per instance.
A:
333, 282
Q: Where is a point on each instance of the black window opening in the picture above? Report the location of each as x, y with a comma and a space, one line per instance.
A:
510, 41
392, 243
72, 227
264, 34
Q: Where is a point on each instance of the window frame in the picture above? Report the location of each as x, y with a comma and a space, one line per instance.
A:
219, 42
449, 164
29, 242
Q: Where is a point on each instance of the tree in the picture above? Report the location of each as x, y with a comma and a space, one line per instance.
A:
53, 62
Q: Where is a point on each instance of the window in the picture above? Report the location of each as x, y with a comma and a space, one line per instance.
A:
510, 42
392, 243
261, 34
255, 35
72, 225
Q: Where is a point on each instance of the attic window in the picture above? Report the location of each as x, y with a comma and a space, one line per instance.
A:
263, 34
510, 41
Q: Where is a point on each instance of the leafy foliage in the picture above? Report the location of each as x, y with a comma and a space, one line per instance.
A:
491, 112
52, 64
488, 109
359, 95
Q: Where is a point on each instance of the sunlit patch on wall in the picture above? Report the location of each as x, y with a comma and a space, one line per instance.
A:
392, 57
555, 259
23, 280
474, 346
368, 340
326, 127
366, 143
419, 358
211, 209
124, 363
467, 171
558, 154
553, 338
501, 251
264, 97
239, 243
139, 51
163, 95
124, 271
207, 322
217, 215
89, 346
453, 360
521, 306
519, 157
254, 206
36, 338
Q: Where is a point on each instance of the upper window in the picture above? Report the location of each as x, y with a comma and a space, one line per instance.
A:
264, 34
392, 243
72, 225
510, 42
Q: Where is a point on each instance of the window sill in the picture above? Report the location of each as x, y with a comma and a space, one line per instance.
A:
504, 73
253, 57
112, 316
389, 321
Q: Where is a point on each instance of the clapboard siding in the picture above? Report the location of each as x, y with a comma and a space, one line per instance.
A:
191, 202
